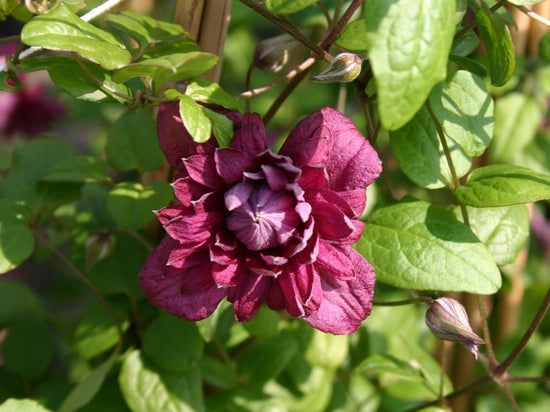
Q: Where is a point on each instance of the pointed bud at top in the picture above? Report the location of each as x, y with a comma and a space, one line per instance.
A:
448, 320
271, 54
98, 247
345, 67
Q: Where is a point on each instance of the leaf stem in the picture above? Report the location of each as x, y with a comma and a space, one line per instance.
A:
420, 299
289, 28
86, 281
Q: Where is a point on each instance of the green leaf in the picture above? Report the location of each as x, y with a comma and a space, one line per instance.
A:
22, 405
147, 389
216, 372
465, 109
415, 245
354, 37
6, 7
419, 152
205, 91
287, 6
63, 30
503, 185
504, 230
195, 120
16, 239
85, 390
222, 127
85, 169
265, 324
382, 363
265, 360
16, 299
499, 45
144, 29
465, 44
326, 350
517, 118
174, 67
400, 39
29, 163
96, 331
132, 143
27, 348
469, 64
172, 344
132, 204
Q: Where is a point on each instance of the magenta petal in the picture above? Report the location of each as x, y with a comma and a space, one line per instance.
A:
345, 304
313, 178
238, 195
228, 275
301, 287
186, 190
174, 139
232, 163
352, 163
248, 296
193, 295
202, 169
276, 178
185, 256
330, 222
194, 228
333, 262
310, 142
169, 214
356, 199
251, 137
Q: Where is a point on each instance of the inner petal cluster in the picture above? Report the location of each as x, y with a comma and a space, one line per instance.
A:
260, 217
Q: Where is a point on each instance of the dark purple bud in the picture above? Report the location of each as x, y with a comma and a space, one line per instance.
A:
448, 320
271, 54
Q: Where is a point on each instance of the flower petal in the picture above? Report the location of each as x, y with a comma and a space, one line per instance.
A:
310, 142
313, 178
232, 163
228, 275
250, 137
247, 298
187, 190
202, 169
301, 287
330, 222
193, 295
174, 139
333, 262
346, 303
356, 199
352, 163
194, 228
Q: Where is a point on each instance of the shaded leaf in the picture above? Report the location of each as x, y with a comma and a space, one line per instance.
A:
496, 37
85, 169
61, 29
287, 6
383, 363
415, 245
400, 39
465, 109
16, 239
503, 185
419, 152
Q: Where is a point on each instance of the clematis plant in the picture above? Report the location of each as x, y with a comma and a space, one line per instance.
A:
262, 227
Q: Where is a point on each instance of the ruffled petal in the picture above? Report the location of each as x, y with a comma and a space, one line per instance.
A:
232, 163
194, 228
192, 295
250, 137
333, 262
310, 142
202, 169
301, 288
352, 163
187, 190
228, 275
346, 303
248, 297
175, 141
313, 178
330, 222
356, 199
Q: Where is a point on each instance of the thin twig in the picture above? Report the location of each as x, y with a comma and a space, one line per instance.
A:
486, 334
420, 299
531, 14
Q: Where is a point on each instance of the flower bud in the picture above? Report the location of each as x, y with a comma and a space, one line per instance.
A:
98, 247
448, 320
271, 54
345, 67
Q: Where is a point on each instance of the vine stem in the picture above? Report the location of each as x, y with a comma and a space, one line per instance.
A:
420, 299
86, 281
289, 28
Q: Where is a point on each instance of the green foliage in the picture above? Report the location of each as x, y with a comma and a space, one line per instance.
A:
413, 244
405, 65
425, 84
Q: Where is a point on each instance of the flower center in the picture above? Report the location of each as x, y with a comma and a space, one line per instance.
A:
260, 217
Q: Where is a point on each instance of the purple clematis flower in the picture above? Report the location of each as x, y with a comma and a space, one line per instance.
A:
262, 227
